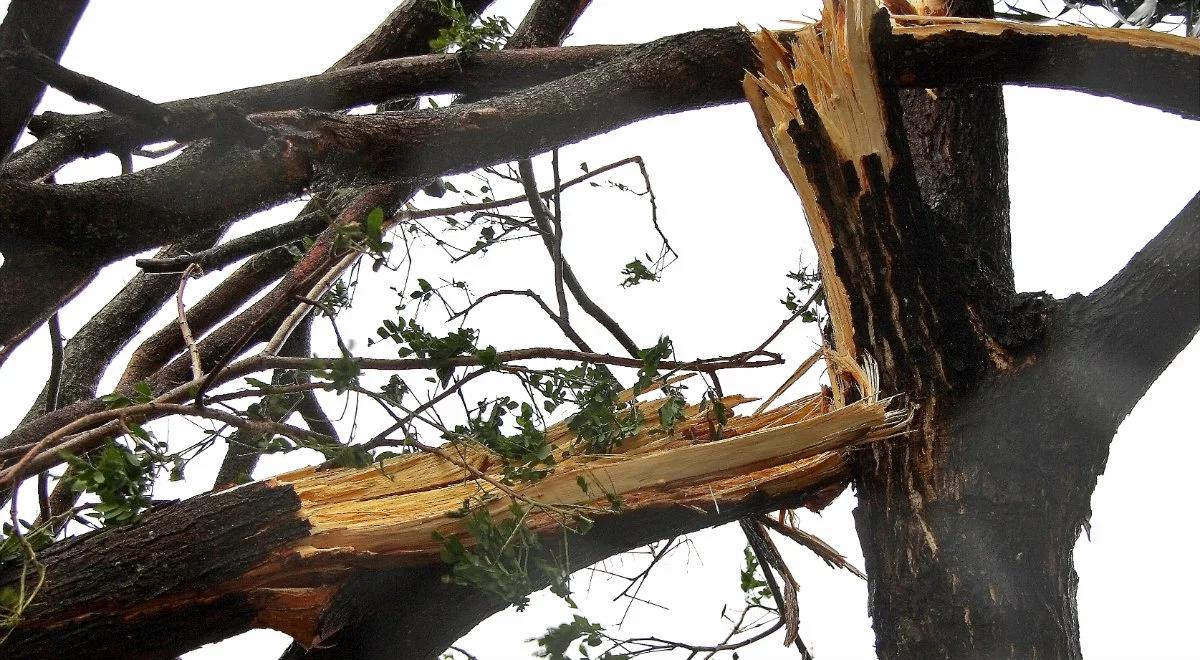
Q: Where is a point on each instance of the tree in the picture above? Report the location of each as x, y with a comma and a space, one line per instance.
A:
1007, 401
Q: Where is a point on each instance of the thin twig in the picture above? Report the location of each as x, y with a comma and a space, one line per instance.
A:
786, 322
538, 353
53, 387
46, 451
567, 329
181, 315
282, 234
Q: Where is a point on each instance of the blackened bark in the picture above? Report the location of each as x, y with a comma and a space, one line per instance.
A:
1143, 73
968, 531
1026, 450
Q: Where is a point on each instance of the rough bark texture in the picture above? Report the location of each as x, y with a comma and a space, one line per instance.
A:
89, 604
280, 553
968, 532
1147, 68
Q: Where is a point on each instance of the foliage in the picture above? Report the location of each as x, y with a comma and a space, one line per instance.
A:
636, 272
498, 561
753, 587
142, 393
602, 422
121, 477
557, 642
14, 546
805, 281
464, 36
414, 340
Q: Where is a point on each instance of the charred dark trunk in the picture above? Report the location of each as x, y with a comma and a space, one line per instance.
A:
969, 528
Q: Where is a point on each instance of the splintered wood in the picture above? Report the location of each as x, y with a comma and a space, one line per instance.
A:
394, 509
818, 106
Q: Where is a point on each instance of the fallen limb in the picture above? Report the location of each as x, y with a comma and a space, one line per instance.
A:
276, 553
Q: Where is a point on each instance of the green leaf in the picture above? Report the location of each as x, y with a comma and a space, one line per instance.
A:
636, 272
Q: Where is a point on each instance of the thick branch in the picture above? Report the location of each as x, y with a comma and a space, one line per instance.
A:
295, 541
1140, 66
481, 74
86, 89
1135, 325
42, 24
123, 215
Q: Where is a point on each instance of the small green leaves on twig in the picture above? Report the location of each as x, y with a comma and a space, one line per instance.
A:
636, 272
464, 35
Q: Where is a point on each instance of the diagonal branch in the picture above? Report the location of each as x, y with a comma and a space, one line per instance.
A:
126, 214
42, 24
1135, 325
86, 89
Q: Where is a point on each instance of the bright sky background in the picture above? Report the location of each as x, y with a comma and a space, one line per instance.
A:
1092, 180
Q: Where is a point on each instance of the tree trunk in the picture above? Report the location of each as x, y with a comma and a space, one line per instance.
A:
967, 526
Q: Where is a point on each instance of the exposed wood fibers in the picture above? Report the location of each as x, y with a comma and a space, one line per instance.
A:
391, 511
830, 63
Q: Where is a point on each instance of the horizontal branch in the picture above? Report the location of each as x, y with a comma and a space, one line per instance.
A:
482, 74
175, 199
402, 364
113, 218
1140, 66
654, 79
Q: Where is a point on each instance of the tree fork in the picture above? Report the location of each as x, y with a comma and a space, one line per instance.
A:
906, 197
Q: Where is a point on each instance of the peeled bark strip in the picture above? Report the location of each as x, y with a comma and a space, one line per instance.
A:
277, 553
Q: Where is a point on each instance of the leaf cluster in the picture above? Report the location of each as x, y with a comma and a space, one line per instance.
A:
463, 35
557, 641
498, 561
121, 477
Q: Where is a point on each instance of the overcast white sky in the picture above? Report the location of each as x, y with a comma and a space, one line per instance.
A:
1092, 180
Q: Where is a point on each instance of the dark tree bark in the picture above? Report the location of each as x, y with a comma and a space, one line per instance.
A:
967, 524
44, 25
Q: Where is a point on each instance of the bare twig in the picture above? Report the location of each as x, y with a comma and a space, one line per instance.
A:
381, 439
181, 315
313, 222
567, 328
